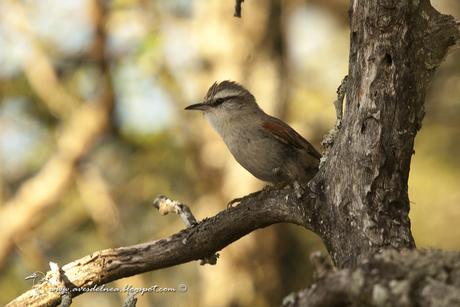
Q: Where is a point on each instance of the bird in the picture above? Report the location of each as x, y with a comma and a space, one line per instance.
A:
264, 145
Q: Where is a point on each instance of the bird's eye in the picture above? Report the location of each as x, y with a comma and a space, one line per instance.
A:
218, 101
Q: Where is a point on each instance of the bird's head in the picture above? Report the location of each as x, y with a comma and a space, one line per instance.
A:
226, 98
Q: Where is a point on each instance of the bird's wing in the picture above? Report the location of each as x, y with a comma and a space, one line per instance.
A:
287, 135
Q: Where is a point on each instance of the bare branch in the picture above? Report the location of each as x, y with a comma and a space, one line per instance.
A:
272, 205
238, 8
166, 205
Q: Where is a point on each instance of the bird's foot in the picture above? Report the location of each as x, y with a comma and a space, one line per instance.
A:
235, 202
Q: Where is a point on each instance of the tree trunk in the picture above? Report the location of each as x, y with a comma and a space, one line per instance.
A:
362, 188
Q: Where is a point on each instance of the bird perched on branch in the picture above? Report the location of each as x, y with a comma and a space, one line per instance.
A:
264, 145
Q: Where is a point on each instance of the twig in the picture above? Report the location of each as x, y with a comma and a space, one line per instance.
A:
238, 8
166, 205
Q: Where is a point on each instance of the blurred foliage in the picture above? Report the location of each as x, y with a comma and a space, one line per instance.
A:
162, 56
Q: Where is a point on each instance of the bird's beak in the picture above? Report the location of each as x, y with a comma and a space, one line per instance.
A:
198, 106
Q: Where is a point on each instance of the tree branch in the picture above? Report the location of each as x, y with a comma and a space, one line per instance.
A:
238, 4
271, 206
410, 278
166, 205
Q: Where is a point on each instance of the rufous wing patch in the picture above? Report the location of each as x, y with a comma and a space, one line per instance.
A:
287, 135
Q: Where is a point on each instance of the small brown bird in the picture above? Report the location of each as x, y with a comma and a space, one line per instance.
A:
264, 145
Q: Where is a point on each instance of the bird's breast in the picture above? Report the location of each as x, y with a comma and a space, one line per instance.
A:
258, 153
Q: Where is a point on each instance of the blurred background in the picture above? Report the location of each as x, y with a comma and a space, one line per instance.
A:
92, 129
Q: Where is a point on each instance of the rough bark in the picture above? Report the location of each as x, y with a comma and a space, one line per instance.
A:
395, 48
412, 278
